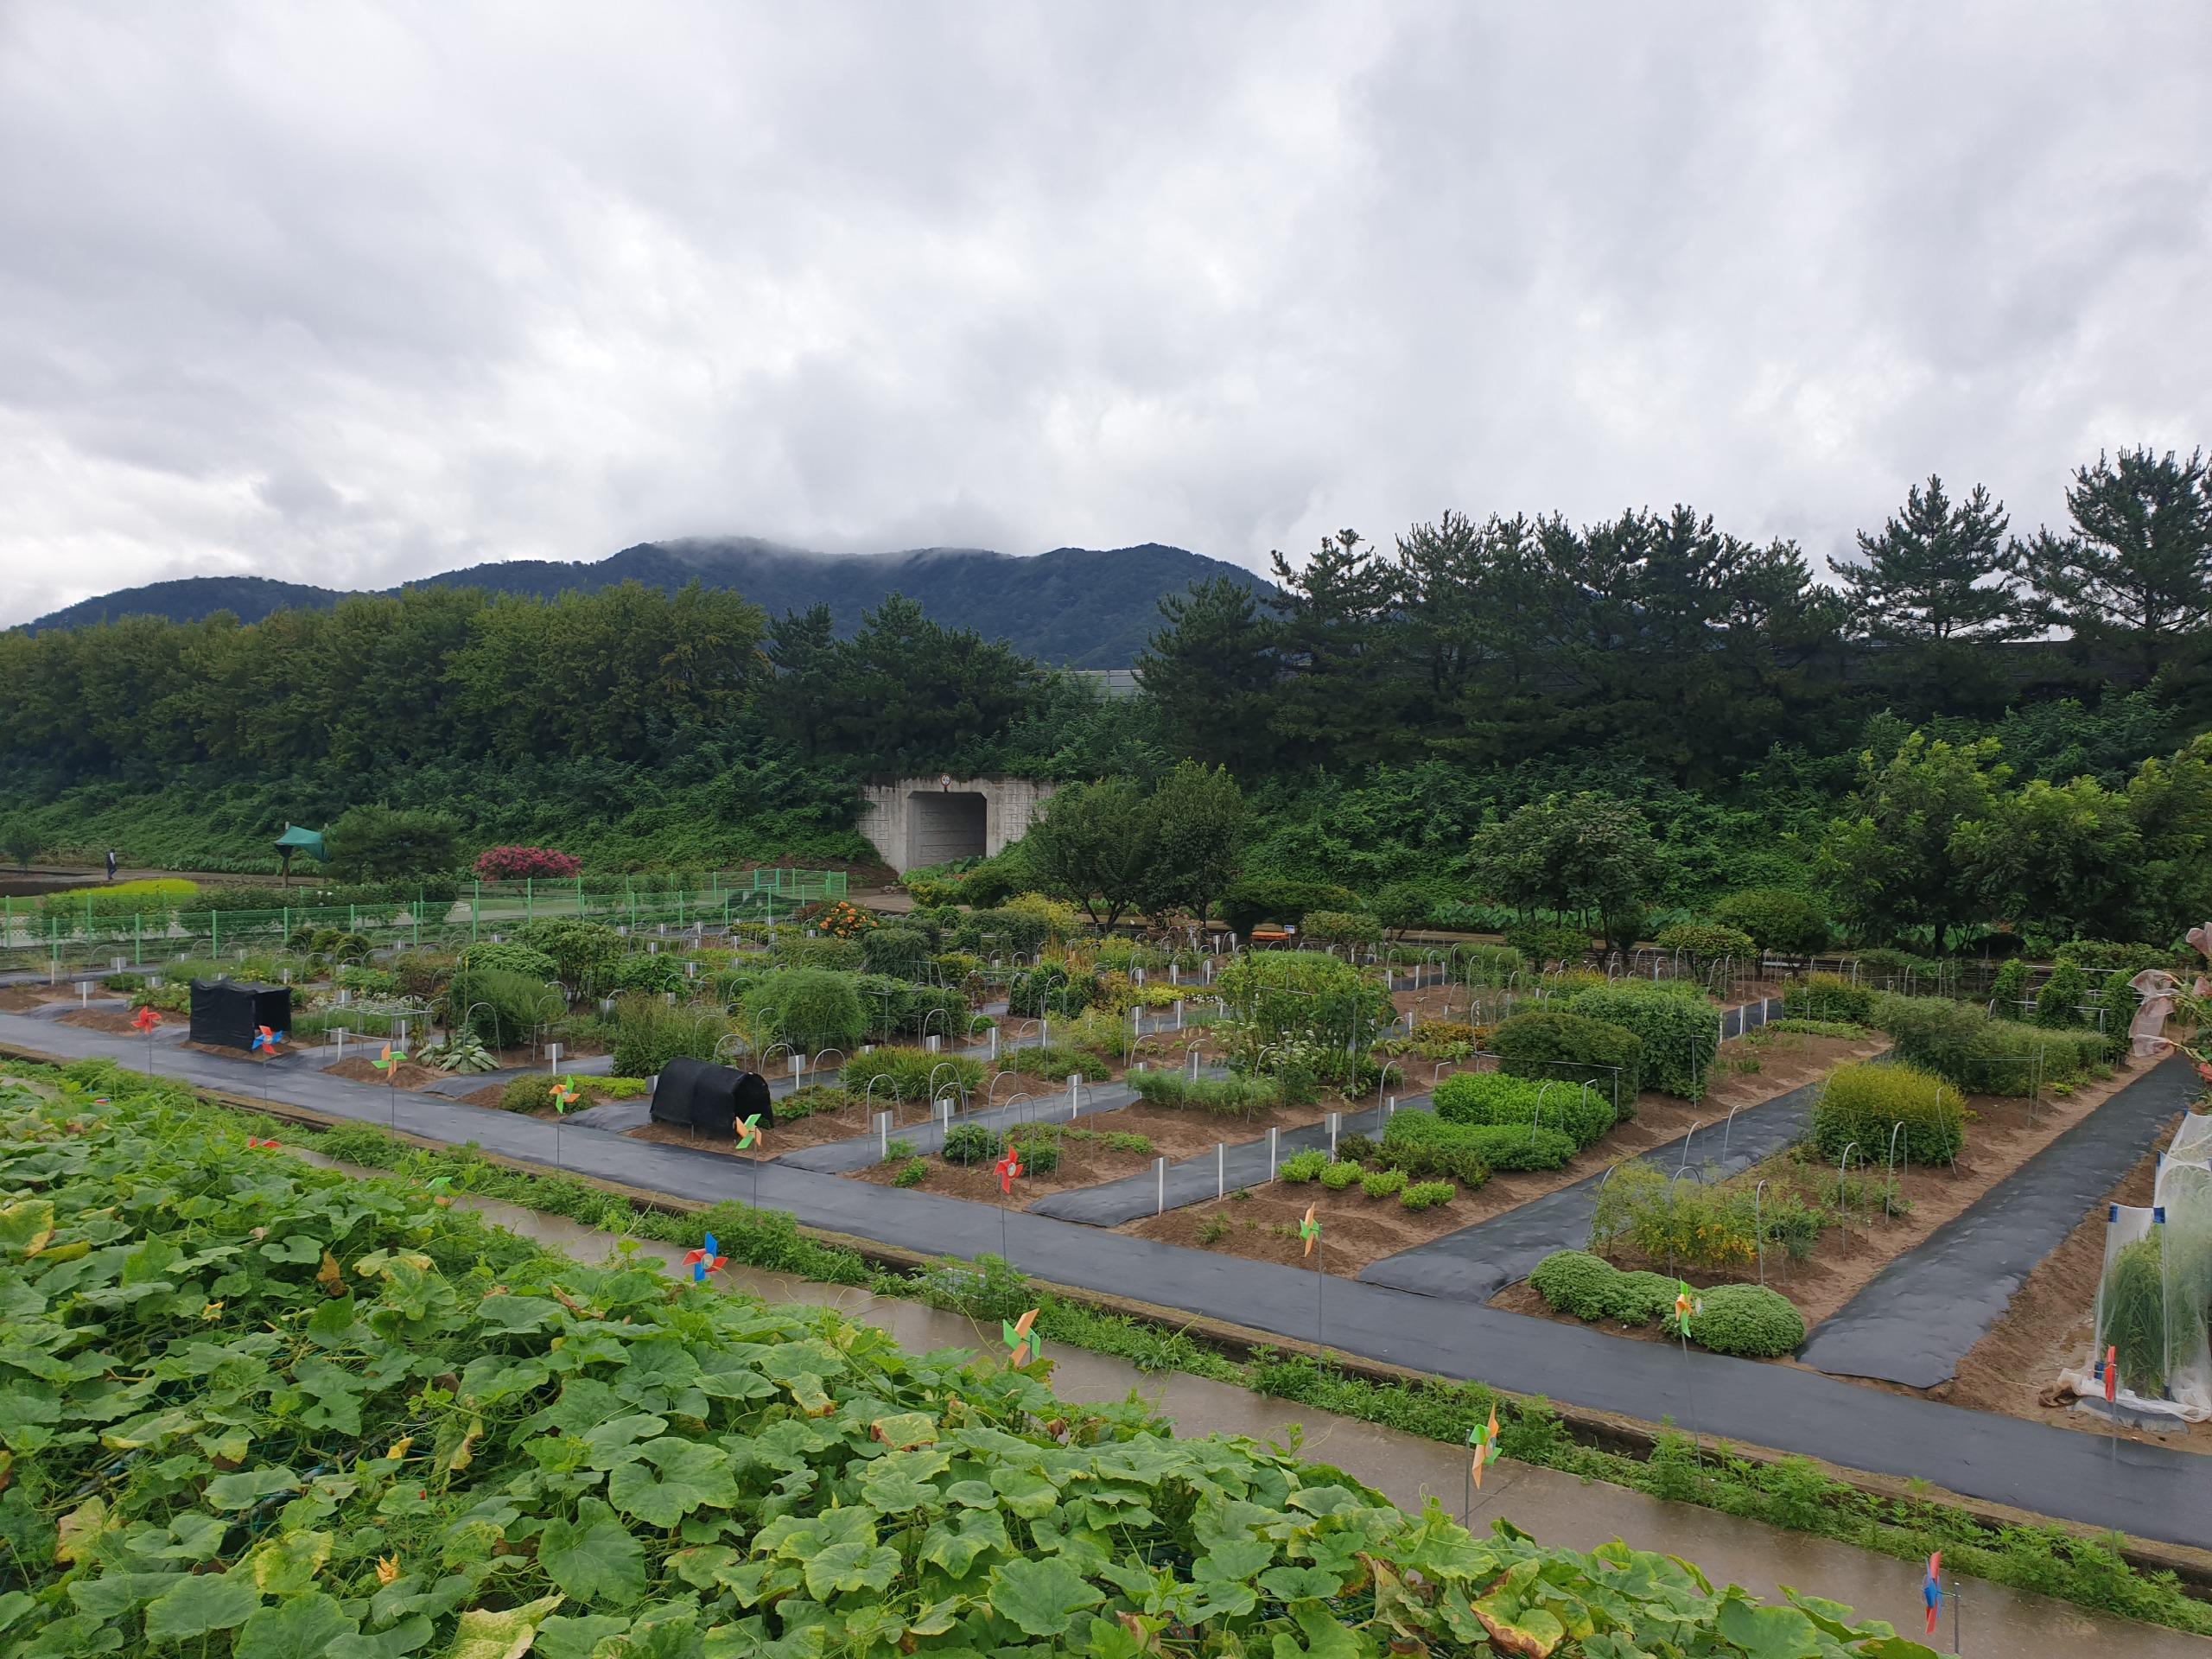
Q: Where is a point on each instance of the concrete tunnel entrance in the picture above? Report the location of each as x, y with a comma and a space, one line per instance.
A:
943, 826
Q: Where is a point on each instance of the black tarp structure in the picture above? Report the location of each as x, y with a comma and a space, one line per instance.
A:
695, 1096
225, 1011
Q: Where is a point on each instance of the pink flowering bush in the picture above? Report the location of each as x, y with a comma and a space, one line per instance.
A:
525, 863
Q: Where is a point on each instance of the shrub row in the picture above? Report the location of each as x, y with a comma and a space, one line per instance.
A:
1749, 1321
1864, 1104
1676, 1026
1496, 1098
1570, 1048
1422, 1144
1984, 1056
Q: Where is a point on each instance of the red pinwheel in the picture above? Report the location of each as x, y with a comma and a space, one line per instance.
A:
266, 1146
264, 1038
1009, 1169
146, 1020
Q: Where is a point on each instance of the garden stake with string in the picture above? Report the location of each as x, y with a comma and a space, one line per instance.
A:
1009, 1170
148, 1020
389, 1065
564, 1096
749, 1136
1310, 1230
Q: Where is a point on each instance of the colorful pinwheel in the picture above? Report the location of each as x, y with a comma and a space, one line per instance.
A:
564, 1095
1310, 1230
1931, 1589
2110, 1368
264, 1145
1686, 1305
704, 1261
1483, 1438
264, 1038
1023, 1344
390, 1058
749, 1132
1009, 1169
147, 1018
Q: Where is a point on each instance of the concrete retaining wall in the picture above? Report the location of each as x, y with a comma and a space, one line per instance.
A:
916, 821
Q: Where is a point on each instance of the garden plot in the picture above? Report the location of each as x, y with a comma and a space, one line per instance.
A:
1361, 1229
2048, 1326
1826, 1244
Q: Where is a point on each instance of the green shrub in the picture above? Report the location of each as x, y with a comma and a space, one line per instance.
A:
1380, 1183
1676, 1028
501, 1009
1546, 942
1864, 1102
969, 1143
1427, 1195
1341, 927
1302, 1167
913, 1172
2008, 991
527, 1094
648, 1034
809, 1100
997, 934
1049, 992
902, 953
899, 1008
654, 972
809, 1008
1230, 1096
1498, 1097
1892, 970
585, 955
1357, 1148
1982, 1056
1706, 943
1749, 1321
2064, 998
1039, 1146
423, 974
1338, 1176
1055, 1064
1641, 1297
1423, 1144
1779, 919
1255, 901
911, 1074
1572, 1048
509, 957
1576, 1283
1282, 997
1815, 1028
838, 955
2124, 959
1829, 997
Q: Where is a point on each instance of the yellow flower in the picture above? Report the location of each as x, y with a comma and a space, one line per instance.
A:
213, 1311
398, 1449
387, 1569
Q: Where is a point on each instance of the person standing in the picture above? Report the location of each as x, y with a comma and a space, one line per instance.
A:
110, 864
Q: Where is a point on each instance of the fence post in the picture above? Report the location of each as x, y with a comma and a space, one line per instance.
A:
1220, 1170
1159, 1175
1271, 1154
214, 932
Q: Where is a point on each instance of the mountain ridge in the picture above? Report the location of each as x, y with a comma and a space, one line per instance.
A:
1076, 608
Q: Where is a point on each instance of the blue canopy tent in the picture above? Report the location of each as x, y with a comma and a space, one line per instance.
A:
297, 838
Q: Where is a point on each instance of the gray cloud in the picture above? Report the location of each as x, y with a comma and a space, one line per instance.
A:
350, 294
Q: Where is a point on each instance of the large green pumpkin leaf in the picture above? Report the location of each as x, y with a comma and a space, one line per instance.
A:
1040, 1598
505, 1635
301, 1628
410, 1635
593, 1558
954, 1543
671, 1478
1767, 1632
204, 1602
26, 1226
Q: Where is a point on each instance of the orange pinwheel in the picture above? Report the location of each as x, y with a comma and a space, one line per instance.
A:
1310, 1230
1009, 1169
146, 1018
1022, 1343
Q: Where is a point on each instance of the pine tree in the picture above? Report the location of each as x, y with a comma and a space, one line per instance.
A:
2137, 571
1937, 574
1211, 671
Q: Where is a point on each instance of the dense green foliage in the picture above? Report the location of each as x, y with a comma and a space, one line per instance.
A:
1422, 1144
1777, 920
1677, 1030
1496, 1098
1750, 1321
809, 1008
1983, 1055
1863, 1104
1574, 1048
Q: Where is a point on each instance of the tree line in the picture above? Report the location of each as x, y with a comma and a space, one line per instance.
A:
1659, 638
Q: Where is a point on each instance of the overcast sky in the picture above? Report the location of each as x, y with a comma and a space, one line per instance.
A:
350, 294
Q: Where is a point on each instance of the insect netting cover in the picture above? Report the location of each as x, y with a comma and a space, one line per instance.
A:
2192, 1141
2151, 1300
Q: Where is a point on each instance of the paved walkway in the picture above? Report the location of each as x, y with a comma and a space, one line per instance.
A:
2150, 1490
1475, 1263
1914, 1321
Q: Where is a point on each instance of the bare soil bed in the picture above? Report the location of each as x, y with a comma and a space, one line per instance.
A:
817, 1130
405, 1074
24, 998
1371, 1228
2014, 1367
1083, 1163
1999, 1139
115, 1022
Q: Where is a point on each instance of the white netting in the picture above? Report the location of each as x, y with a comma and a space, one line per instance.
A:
2192, 1141
2151, 1302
